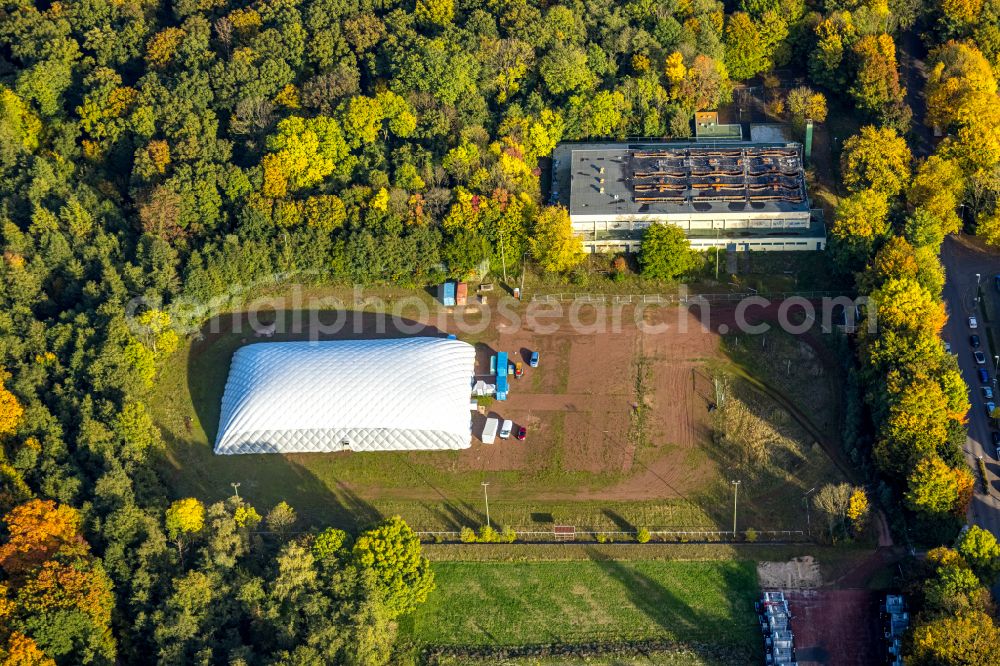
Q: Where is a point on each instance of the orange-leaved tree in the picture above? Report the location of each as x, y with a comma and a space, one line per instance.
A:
37, 530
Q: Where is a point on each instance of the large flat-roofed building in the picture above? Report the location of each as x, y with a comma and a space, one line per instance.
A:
735, 195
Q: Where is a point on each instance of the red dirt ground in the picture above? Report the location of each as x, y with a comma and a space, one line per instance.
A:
580, 400
835, 627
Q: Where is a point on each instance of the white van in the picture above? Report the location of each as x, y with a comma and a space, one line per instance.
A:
505, 429
490, 431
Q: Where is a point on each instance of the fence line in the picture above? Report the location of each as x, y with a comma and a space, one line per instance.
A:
619, 533
684, 299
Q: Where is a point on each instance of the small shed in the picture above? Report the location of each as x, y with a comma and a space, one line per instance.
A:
462, 293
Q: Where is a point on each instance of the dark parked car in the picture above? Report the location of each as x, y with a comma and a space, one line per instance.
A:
996, 437
996, 281
980, 357
974, 341
984, 376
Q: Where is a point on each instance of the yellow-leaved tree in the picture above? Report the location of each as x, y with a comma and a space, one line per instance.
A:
11, 411
857, 509
876, 159
861, 221
935, 489
185, 517
554, 245
937, 188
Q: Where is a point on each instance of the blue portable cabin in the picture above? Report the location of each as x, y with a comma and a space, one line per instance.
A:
501, 370
448, 294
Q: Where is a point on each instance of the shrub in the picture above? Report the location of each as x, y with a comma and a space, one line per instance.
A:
467, 535
488, 535
508, 535
642, 536
750, 535
602, 538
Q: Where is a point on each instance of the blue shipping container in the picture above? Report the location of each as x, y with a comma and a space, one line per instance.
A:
448, 293
502, 376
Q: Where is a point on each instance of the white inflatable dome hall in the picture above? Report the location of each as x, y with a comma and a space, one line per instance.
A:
360, 395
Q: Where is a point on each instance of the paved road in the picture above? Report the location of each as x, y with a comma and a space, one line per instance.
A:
961, 263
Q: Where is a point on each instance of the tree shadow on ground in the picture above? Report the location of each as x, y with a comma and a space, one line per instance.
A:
619, 520
264, 480
676, 617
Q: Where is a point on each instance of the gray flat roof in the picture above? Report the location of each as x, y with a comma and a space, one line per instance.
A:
671, 178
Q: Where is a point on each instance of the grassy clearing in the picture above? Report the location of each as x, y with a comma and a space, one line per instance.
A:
790, 364
441, 491
764, 446
430, 489
510, 604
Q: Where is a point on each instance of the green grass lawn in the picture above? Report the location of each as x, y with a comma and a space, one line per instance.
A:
511, 604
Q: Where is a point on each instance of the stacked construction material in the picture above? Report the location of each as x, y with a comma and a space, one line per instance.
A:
895, 621
775, 624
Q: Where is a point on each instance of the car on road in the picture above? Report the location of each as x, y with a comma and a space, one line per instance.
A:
947, 348
522, 432
505, 429
996, 282
990, 406
534, 360
996, 438
987, 393
980, 357
973, 322
983, 375
974, 341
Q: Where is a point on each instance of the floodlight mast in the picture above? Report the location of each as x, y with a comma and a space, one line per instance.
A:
736, 491
487, 498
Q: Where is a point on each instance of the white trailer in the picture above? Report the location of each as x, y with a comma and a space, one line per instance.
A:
490, 430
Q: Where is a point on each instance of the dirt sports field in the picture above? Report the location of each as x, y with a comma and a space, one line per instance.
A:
835, 627
617, 414
581, 404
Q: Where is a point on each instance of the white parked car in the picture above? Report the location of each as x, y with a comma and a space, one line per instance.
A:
506, 428
973, 322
